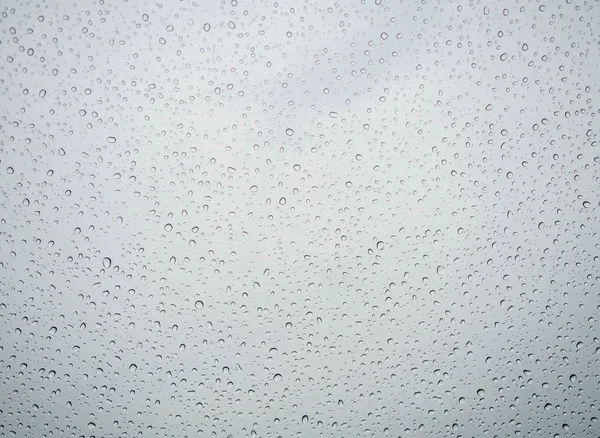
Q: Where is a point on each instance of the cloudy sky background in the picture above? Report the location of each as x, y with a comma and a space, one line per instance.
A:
378, 216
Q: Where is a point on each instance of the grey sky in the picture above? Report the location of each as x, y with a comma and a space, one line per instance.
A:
383, 208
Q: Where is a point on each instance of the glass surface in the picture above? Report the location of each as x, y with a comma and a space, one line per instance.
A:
299, 219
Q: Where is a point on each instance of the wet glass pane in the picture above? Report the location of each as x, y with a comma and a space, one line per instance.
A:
299, 219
